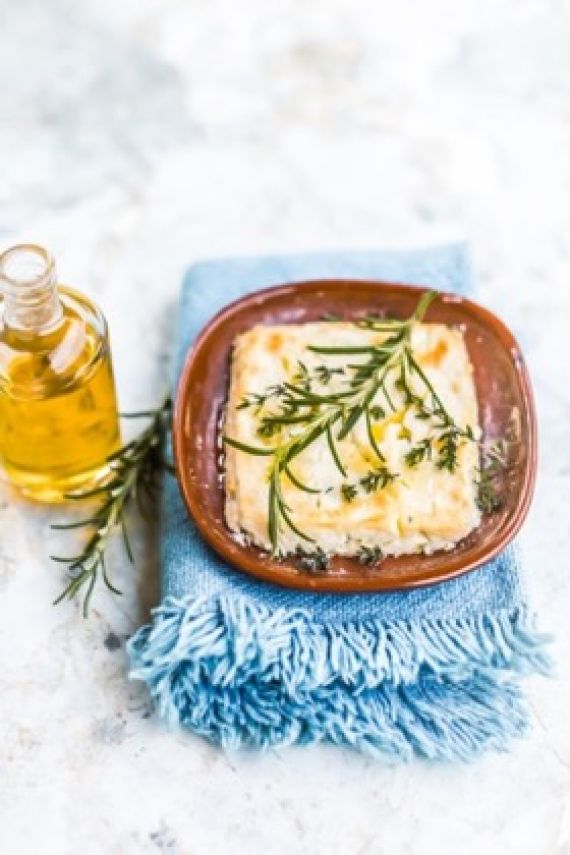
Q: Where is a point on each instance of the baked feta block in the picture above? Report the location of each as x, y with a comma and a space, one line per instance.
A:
416, 504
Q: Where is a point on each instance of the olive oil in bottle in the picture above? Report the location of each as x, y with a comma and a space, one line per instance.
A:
58, 411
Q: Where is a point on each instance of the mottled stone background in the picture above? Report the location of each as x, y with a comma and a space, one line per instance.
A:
139, 135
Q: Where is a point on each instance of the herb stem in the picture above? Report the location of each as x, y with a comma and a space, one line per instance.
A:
133, 470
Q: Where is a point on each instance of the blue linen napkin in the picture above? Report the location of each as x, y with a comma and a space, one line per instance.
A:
431, 672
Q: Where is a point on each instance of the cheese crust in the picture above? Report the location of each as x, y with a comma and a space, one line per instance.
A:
424, 509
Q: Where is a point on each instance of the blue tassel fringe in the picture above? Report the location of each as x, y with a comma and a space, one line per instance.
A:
241, 674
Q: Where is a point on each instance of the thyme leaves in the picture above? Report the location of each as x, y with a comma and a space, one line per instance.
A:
493, 463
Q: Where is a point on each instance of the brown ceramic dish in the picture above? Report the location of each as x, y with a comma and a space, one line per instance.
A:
505, 404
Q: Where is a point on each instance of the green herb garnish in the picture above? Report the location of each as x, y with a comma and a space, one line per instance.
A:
493, 462
369, 555
253, 399
316, 563
133, 474
348, 492
333, 415
377, 412
419, 452
377, 479
324, 374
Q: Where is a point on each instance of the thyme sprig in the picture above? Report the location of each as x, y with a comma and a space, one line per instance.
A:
376, 479
349, 492
369, 555
421, 451
133, 475
335, 414
493, 462
316, 563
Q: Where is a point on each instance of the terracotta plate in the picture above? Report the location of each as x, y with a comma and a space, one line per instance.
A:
505, 405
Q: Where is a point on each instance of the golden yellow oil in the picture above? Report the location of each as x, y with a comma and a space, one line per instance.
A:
58, 411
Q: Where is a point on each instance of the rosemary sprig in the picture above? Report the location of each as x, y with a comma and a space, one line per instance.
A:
253, 399
377, 412
133, 471
324, 374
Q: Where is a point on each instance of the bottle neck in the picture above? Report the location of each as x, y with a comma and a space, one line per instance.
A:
28, 284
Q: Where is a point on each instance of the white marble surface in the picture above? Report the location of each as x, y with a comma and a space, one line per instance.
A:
139, 135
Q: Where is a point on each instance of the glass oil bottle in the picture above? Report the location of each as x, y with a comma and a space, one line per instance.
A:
58, 411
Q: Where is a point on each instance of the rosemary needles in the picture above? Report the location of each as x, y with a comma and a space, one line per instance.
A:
133, 475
